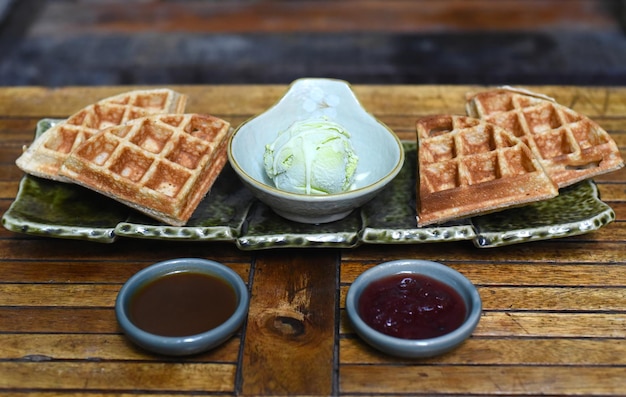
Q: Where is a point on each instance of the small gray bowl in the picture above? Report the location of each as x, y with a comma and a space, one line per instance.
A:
415, 348
380, 152
183, 345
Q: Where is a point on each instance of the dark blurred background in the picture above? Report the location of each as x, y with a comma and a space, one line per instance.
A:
106, 42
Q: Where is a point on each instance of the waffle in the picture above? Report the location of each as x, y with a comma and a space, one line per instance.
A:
46, 154
469, 167
161, 165
570, 146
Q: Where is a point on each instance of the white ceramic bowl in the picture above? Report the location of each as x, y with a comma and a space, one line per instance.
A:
380, 151
415, 348
189, 344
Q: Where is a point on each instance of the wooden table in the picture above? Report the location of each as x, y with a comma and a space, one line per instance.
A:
554, 319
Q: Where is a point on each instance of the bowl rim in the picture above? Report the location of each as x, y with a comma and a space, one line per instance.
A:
274, 191
415, 347
187, 344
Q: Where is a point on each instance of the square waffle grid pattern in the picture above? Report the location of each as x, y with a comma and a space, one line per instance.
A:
162, 163
571, 147
469, 167
107, 113
46, 156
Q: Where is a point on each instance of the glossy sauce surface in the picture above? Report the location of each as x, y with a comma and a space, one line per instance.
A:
182, 304
411, 306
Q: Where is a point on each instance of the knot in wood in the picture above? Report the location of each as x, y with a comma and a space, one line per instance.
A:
287, 325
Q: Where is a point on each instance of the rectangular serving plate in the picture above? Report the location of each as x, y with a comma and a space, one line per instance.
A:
230, 213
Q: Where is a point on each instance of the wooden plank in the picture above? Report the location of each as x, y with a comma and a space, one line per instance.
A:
407, 101
614, 232
112, 347
8, 189
505, 273
10, 172
551, 251
63, 295
289, 347
125, 249
87, 272
615, 176
505, 351
39, 102
321, 16
493, 379
558, 298
620, 213
13, 130
563, 325
115, 376
612, 192
63, 320
72, 272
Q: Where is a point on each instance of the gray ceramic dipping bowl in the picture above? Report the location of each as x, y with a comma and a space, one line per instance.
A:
183, 345
415, 348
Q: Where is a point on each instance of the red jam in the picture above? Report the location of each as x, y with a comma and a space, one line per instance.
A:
411, 306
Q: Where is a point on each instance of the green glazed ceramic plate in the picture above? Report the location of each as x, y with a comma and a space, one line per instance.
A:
230, 213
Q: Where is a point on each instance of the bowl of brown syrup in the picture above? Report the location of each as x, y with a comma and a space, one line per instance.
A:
182, 306
413, 308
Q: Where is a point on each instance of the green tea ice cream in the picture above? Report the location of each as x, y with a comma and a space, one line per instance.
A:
311, 157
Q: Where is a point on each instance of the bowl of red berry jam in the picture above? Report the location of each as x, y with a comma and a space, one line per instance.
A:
413, 308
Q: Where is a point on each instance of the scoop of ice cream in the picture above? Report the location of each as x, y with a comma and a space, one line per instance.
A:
311, 157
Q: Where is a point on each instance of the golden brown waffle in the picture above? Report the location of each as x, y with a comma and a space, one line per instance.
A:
469, 167
570, 146
46, 154
162, 165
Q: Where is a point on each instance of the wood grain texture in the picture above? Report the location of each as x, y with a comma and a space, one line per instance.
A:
289, 345
554, 312
118, 377
321, 16
504, 351
452, 379
96, 347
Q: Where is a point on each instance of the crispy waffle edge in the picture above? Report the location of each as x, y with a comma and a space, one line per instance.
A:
45, 163
456, 203
567, 169
176, 212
